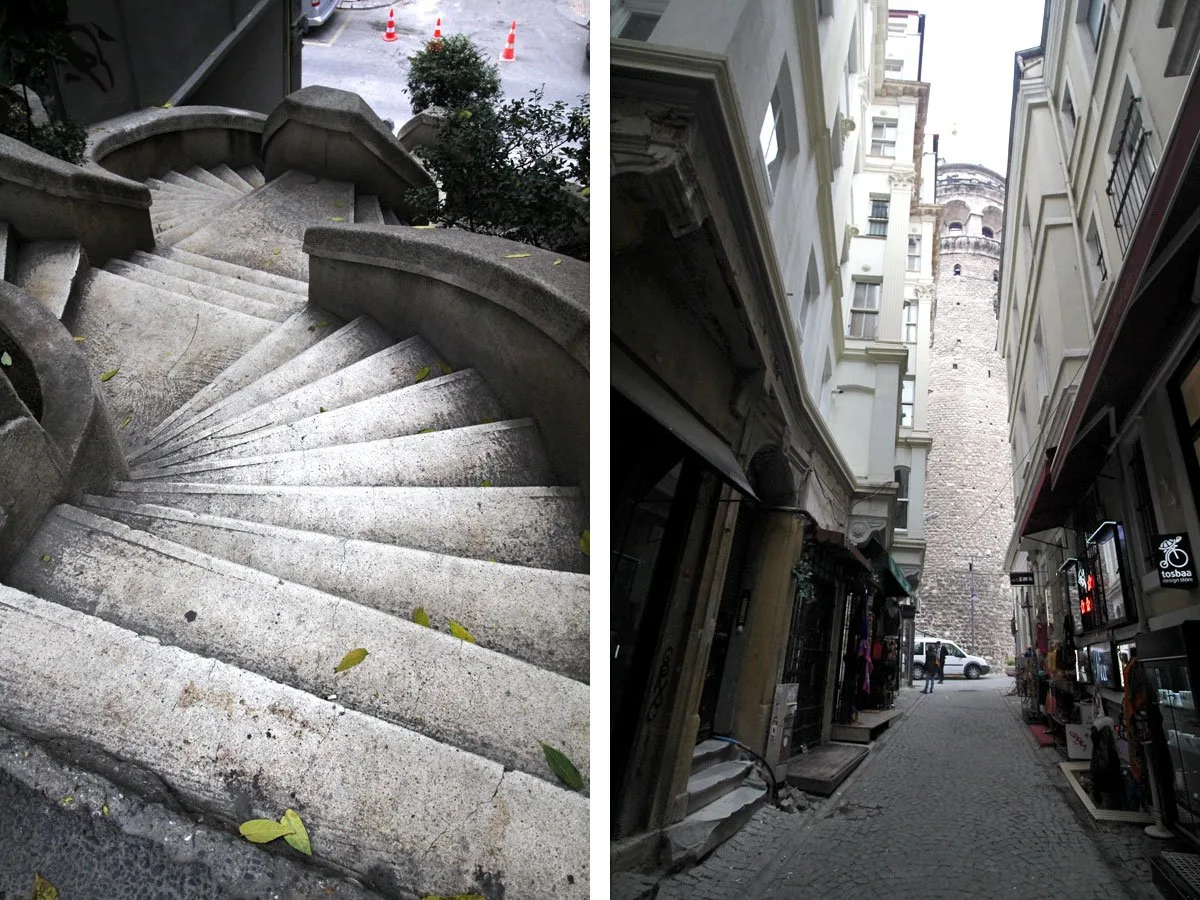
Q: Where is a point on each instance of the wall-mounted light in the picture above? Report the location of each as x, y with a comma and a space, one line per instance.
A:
1092, 539
1066, 563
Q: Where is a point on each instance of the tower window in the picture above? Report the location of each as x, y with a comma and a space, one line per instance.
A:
956, 228
987, 232
996, 275
957, 269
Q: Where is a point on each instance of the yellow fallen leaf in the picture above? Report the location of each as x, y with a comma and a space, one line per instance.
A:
298, 838
557, 262
424, 226
167, 105
337, 219
453, 897
262, 831
107, 376
68, 800
487, 482
585, 543
278, 251
421, 617
446, 368
516, 255
351, 659
45, 557
461, 633
80, 340
422, 375
43, 889
427, 431
104, 810
128, 419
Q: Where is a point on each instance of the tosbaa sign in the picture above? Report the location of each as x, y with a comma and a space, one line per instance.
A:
1176, 568
1020, 578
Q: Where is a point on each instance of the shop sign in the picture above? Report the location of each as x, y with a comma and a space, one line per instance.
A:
1175, 565
1085, 589
1020, 578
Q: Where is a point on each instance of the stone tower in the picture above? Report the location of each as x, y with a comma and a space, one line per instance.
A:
968, 497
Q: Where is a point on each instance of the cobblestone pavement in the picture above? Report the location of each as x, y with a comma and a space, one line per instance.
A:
954, 801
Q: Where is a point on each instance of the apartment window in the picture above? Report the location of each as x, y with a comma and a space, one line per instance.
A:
955, 228
1097, 270
1067, 110
914, 253
902, 497
770, 139
911, 311
893, 65
1144, 500
1091, 15
634, 20
883, 137
1132, 168
877, 222
864, 310
908, 399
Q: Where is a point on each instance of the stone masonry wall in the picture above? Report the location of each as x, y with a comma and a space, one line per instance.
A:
969, 504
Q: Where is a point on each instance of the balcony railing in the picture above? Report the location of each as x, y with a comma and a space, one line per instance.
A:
1132, 172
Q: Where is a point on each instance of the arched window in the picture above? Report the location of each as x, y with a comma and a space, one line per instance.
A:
996, 275
956, 227
957, 269
987, 232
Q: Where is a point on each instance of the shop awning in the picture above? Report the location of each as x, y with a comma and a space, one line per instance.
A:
890, 575
653, 399
836, 543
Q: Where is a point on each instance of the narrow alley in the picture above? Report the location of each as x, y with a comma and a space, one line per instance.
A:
956, 800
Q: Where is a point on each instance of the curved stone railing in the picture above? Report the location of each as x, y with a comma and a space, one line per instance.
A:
72, 447
517, 314
970, 243
335, 134
149, 142
44, 198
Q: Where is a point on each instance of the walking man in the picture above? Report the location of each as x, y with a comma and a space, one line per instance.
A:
932, 655
942, 664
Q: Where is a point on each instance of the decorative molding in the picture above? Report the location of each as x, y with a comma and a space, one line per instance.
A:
925, 293
861, 527
902, 180
656, 143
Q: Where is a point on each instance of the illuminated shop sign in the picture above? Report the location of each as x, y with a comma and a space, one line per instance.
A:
1176, 568
1106, 561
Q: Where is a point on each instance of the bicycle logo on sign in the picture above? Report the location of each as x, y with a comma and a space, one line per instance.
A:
1173, 555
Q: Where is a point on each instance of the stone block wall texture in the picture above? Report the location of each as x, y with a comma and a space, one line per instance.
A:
969, 502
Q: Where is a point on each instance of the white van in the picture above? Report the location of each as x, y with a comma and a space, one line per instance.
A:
958, 661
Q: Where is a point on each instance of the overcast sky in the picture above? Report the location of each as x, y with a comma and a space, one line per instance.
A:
969, 47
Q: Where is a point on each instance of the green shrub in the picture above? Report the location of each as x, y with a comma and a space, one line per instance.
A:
518, 170
451, 72
65, 140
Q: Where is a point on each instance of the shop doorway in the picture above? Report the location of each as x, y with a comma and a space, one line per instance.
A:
806, 662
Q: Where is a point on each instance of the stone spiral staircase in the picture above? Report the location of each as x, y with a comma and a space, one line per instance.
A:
299, 485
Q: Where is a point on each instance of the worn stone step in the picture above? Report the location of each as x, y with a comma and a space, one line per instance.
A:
709, 753
49, 270
159, 188
215, 296
389, 217
252, 174
347, 345
536, 615
526, 526
162, 262
265, 230
179, 231
389, 369
240, 273
366, 209
169, 213
505, 454
164, 347
296, 334
183, 180
454, 691
232, 178
204, 176
706, 828
366, 789
707, 785
453, 401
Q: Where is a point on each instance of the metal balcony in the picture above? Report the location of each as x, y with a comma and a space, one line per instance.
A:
1132, 171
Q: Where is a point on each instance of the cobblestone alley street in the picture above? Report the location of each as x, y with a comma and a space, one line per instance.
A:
955, 801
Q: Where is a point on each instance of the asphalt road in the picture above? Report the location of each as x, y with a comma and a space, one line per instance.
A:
348, 51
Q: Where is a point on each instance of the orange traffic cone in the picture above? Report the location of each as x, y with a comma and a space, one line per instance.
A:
437, 31
510, 45
390, 34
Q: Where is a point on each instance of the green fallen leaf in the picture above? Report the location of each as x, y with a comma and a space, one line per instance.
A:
453, 897
262, 831
128, 419
446, 368
563, 768
104, 810
43, 889
557, 262
5, 359
337, 219
424, 226
68, 800
586, 192
488, 420
422, 375
278, 250
421, 617
487, 482
492, 559
107, 376
461, 633
351, 659
45, 557
298, 839
167, 105
321, 408
427, 431
324, 323
80, 339
585, 543
516, 255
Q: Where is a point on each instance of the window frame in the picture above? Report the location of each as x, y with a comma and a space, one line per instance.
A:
902, 475
912, 321
913, 239
865, 313
879, 143
774, 118
908, 385
875, 220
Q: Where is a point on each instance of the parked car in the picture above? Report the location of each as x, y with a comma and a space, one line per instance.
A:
318, 13
958, 661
